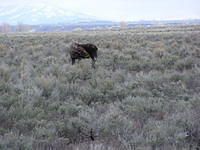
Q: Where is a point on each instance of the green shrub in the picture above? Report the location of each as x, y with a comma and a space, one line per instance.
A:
185, 64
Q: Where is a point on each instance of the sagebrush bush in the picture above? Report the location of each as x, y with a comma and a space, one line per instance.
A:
143, 93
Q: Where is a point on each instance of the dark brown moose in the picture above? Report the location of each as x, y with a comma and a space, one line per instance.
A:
83, 51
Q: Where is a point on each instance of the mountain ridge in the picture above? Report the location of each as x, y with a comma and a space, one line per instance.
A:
42, 14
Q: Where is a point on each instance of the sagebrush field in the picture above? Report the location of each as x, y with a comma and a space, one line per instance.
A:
144, 93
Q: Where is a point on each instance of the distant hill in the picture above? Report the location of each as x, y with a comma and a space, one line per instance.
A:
41, 14
152, 22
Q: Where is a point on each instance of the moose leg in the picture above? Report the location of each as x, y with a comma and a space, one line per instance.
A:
79, 60
73, 61
93, 63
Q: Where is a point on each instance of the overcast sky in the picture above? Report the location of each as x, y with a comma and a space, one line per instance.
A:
126, 10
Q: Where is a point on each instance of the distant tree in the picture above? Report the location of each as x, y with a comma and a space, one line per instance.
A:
122, 24
4, 28
22, 27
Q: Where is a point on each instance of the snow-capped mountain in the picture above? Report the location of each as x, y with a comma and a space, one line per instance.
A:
41, 14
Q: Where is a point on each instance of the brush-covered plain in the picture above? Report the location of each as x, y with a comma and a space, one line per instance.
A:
144, 93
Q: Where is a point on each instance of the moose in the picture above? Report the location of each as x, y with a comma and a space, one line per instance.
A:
83, 51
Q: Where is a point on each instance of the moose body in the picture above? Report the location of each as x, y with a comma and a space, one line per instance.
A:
83, 51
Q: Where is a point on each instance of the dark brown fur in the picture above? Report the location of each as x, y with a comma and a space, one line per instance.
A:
83, 51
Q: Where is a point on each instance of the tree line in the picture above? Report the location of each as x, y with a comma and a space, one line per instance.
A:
20, 27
